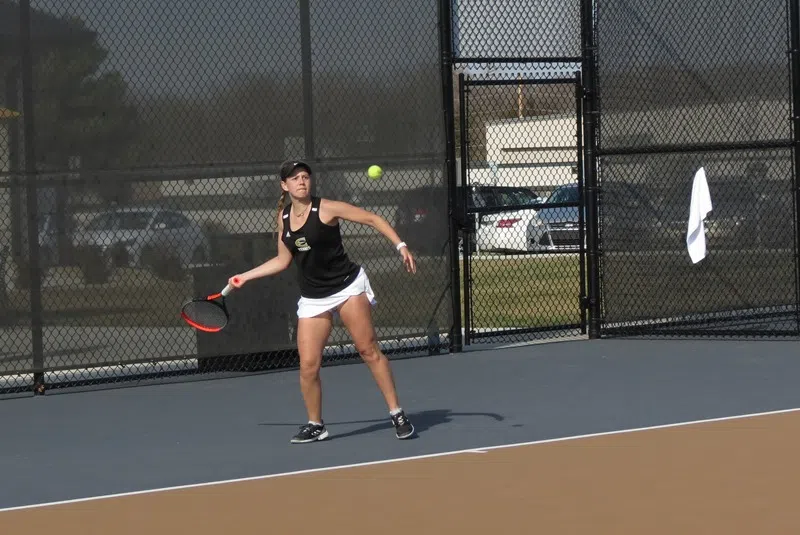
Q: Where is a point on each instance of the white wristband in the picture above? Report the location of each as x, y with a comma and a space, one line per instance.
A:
401, 244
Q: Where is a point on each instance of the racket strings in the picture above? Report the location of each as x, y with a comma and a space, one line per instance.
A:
205, 314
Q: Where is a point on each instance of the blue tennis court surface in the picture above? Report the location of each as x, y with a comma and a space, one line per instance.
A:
71, 446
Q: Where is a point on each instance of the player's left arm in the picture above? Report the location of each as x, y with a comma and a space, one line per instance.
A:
341, 210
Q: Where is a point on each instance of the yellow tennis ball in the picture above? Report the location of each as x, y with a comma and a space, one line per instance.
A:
374, 172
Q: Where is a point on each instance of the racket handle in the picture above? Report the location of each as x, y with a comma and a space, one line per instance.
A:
229, 288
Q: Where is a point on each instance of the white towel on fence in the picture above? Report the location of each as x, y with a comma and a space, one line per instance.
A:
699, 208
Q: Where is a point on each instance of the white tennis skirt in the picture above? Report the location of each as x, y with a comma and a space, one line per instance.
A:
308, 308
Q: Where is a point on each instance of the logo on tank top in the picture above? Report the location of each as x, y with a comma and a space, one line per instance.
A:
302, 244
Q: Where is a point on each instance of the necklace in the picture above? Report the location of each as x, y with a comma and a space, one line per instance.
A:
301, 213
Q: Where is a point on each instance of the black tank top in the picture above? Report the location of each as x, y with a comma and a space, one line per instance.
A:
323, 267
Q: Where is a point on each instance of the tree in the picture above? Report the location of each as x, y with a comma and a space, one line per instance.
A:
80, 110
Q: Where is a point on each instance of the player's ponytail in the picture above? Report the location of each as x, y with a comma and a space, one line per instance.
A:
281, 203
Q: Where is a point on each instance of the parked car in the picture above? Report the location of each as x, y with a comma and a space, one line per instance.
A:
422, 212
638, 216
422, 220
51, 252
153, 238
743, 217
633, 217
507, 230
557, 228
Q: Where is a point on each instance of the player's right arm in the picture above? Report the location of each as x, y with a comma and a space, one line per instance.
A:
272, 266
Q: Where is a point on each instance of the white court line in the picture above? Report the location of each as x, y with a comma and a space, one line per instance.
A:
400, 459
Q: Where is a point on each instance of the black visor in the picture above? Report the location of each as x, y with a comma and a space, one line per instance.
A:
288, 168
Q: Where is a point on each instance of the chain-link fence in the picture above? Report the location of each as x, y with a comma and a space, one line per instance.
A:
517, 68
684, 87
140, 145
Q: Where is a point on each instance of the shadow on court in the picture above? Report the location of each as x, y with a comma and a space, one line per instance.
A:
422, 420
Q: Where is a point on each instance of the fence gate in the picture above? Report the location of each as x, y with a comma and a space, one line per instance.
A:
521, 197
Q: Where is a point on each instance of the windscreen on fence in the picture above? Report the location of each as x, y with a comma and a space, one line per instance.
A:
144, 140
688, 87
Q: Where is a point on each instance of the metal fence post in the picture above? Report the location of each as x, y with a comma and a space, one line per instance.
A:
582, 193
794, 58
590, 159
446, 47
29, 144
308, 91
464, 217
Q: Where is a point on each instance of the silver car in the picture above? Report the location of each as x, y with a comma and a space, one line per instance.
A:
557, 228
143, 237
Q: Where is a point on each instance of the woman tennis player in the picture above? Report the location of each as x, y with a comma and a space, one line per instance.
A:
329, 283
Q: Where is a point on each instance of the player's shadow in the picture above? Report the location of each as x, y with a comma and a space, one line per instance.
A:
422, 420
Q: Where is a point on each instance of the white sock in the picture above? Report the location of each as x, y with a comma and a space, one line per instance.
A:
398, 410
314, 423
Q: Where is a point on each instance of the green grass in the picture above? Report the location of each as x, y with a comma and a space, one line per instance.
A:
530, 291
132, 298
523, 292
656, 285
507, 292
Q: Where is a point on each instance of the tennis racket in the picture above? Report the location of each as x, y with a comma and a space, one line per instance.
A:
208, 314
